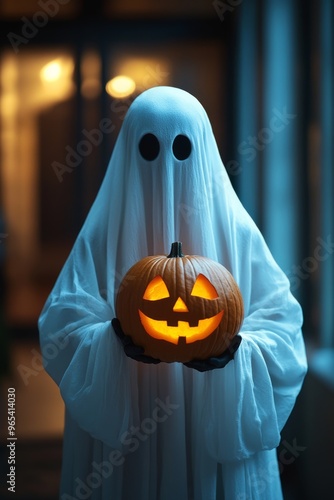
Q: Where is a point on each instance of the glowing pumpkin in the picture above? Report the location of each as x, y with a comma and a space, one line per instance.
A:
179, 307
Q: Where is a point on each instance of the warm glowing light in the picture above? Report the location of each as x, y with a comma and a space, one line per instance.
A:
51, 71
58, 70
156, 289
180, 306
146, 72
57, 80
120, 86
203, 288
160, 329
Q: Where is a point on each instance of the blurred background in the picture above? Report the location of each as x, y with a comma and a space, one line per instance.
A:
69, 69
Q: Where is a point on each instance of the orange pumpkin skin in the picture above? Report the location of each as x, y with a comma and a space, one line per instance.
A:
179, 308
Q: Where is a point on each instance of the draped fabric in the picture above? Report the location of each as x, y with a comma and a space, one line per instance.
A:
157, 432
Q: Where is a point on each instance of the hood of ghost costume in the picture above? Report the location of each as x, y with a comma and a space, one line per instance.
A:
172, 198
146, 204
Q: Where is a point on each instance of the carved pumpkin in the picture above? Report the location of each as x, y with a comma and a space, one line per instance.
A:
179, 308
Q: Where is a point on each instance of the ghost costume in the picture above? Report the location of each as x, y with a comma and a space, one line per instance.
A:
136, 431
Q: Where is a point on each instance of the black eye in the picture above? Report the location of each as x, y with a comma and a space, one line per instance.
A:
181, 147
149, 147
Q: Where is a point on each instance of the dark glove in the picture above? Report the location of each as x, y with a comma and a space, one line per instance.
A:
203, 365
131, 350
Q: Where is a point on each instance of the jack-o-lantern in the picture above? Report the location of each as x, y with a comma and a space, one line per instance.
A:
179, 307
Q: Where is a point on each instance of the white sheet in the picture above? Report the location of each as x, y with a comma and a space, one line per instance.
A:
182, 434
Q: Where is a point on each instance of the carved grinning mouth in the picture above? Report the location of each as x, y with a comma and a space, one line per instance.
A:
162, 331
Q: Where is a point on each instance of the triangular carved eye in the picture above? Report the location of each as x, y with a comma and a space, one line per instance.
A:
203, 288
156, 289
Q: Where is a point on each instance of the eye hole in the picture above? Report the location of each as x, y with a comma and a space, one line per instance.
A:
181, 147
156, 289
203, 288
149, 147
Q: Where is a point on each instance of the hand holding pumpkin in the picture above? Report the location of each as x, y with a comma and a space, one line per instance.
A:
131, 350
202, 365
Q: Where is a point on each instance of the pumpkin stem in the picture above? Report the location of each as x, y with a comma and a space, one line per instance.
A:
176, 250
